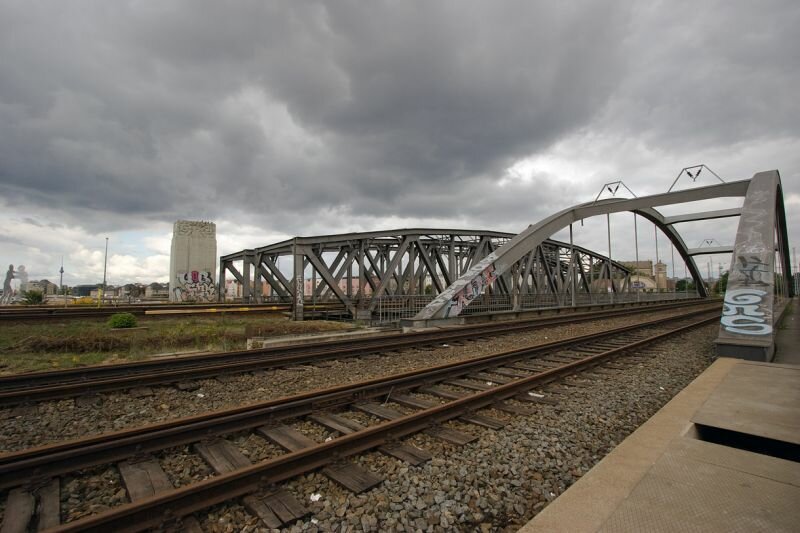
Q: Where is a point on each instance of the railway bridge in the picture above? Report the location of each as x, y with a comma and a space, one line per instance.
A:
432, 276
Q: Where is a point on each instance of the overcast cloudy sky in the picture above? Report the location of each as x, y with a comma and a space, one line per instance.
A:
276, 119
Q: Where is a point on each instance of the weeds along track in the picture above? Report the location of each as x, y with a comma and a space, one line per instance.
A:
375, 414
38, 386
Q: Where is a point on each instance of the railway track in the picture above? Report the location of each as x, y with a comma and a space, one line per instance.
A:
26, 314
420, 401
50, 385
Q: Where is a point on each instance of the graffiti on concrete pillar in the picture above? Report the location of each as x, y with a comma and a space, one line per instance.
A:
470, 291
752, 270
195, 286
298, 290
741, 312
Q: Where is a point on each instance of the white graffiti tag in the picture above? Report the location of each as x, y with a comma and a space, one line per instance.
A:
298, 291
741, 315
195, 286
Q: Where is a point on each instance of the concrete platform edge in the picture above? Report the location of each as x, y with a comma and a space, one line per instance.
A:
587, 504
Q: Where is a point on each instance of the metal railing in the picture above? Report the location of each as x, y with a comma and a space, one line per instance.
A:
391, 309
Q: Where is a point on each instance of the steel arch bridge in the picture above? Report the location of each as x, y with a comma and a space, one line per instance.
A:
441, 273
757, 280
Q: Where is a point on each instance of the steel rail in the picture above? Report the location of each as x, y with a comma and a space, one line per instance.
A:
173, 504
54, 459
49, 385
151, 311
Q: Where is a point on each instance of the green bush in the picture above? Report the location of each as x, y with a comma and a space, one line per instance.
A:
122, 320
32, 297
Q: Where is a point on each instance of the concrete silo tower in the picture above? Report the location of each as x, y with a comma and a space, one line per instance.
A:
193, 262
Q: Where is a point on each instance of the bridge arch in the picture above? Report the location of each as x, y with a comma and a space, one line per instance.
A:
498, 262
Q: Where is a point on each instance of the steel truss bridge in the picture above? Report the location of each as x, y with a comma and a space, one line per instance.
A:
435, 274
394, 274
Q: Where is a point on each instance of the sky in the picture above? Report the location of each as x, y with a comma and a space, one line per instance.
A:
276, 119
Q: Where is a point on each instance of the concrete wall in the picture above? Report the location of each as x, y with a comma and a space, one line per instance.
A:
193, 262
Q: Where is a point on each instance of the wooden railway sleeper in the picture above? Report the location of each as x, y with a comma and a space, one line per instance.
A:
323, 405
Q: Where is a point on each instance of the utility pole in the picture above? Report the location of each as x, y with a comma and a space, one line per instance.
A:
610, 276
672, 260
686, 280
655, 232
572, 268
636, 245
105, 265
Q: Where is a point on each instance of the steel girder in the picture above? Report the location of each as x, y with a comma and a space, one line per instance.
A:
451, 301
357, 269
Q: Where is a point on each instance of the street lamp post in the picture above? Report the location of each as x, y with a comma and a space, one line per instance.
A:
105, 265
636, 245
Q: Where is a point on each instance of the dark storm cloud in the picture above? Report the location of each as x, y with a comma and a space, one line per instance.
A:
171, 109
710, 73
283, 112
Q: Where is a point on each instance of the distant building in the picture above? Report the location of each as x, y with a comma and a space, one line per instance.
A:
47, 288
644, 268
645, 276
193, 262
157, 291
83, 290
131, 290
233, 289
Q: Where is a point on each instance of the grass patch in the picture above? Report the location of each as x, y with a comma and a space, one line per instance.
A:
57, 345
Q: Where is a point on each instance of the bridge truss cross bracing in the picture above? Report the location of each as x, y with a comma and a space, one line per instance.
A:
398, 272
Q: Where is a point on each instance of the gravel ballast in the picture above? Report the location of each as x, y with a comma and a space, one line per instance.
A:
494, 484
506, 477
54, 421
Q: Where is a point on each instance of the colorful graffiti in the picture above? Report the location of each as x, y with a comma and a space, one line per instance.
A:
195, 286
741, 313
470, 291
